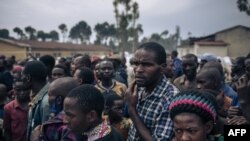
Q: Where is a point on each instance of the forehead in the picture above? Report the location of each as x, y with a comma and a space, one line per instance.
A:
105, 64
203, 75
70, 104
57, 70
185, 117
144, 55
188, 60
118, 102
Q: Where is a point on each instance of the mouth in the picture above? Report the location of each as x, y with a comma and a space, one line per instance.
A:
139, 79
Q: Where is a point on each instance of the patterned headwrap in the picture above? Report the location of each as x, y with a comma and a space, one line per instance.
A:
201, 103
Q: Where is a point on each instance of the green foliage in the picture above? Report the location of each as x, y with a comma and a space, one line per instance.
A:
126, 15
54, 36
4, 33
169, 41
20, 33
31, 31
244, 6
104, 32
63, 28
81, 31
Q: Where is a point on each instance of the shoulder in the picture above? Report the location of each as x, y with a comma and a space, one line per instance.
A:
10, 105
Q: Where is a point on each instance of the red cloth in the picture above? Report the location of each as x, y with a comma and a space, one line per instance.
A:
15, 121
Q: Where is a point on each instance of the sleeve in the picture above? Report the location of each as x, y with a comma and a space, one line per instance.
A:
164, 126
7, 119
44, 109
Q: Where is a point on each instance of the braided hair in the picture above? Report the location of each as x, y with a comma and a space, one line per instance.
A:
199, 102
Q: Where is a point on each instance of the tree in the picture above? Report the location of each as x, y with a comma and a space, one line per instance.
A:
20, 33
244, 6
4, 33
81, 31
31, 31
104, 32
126, 15
54, 35
42, 35
63, 28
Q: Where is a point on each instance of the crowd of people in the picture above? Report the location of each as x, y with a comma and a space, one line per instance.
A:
87, 98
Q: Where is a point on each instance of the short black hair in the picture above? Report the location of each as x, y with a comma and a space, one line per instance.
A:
36, 69
85, 59
88, 98
49, 61
87, 75
174, 53
160, 53
64, 67
190, 55
111, 98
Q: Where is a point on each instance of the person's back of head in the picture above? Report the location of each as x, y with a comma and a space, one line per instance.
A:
3, 93
49, 61
157, 49
85, 60
36, 70
86, 75
174, 54
62, 86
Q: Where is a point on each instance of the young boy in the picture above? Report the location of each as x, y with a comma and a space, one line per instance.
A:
83, 108
114, 107
16, 114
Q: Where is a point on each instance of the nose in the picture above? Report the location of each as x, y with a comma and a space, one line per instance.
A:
185, 137
198, 86
138, 68
65, 120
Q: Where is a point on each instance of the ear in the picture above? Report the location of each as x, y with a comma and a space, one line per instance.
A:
163, 66
92, 116
80, 81
28, 77
209, 127
59, 100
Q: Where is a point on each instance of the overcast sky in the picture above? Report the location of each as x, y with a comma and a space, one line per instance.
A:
200, 17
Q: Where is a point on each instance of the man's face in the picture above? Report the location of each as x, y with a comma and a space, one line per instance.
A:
236, 66
57, 73
204, 82
147, 70
169, 70
76, 64
116, 111
21, 91
189, 67
75, 119
106, 70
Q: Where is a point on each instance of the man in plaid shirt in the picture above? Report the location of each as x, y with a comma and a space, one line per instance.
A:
149, 96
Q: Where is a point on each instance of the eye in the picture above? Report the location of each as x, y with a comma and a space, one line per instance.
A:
177, 131
192, 131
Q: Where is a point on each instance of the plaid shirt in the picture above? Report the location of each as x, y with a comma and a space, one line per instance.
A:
153, 111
